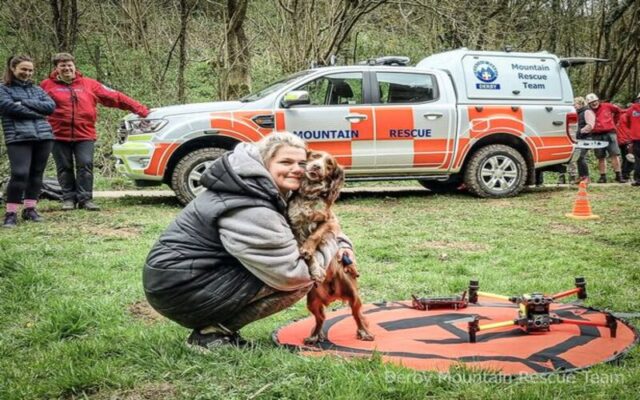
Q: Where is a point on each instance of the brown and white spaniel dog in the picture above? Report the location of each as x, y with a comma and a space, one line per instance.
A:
310, 212
311, 220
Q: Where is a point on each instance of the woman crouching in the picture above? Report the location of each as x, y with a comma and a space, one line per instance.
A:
230, 257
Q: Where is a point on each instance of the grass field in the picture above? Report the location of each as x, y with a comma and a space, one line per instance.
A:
74, 323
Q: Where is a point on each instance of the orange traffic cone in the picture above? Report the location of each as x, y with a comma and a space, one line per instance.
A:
581, 207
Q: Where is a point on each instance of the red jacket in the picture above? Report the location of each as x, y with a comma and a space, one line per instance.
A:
606, 117
74, 118
633, 123
623, 129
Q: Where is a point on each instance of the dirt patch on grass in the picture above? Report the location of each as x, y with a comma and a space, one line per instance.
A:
143, 311
443, 245
151, 391
569, 229
124, 232
501, 203
359, 208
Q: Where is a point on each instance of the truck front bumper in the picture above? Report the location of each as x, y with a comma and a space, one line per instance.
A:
133, 158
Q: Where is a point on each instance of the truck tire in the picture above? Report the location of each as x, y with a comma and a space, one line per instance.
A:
496, 171
185, 180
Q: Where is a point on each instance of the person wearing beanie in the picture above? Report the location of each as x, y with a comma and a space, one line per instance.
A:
605, 131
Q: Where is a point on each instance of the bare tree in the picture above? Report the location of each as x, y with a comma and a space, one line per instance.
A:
185, 12
619, 41
302, 32
234, 79
65, 19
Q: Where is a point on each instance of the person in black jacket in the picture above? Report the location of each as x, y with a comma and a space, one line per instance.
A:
586, 122
27, 135
230, 258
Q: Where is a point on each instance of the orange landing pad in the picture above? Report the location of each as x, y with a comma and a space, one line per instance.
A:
437, 340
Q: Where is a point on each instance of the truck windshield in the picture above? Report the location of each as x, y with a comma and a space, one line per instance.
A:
274, 87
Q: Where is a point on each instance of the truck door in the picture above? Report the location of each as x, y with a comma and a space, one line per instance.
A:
336, 120
414, 123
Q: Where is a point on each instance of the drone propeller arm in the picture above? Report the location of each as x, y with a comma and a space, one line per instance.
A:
566, 293
494, 296
610, 323
474, 326
496, 325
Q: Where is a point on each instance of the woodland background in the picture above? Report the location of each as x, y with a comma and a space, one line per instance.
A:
164, 52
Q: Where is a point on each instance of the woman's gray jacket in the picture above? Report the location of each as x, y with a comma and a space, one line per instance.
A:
225, 245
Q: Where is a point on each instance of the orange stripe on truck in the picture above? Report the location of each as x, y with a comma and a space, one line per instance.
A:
553, 154
246, 118
556, 141
494, 119
447, 160
463, 148
430, 152
554, 148
364, 128
549, 148
160, 157
280, 123
240, 122
393, 118
340, 149
251, 134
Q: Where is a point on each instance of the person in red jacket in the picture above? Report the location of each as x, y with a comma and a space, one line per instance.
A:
633, 122
74, 127
624, 142
605, 130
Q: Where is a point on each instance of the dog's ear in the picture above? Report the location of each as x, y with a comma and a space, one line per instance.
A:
337, 181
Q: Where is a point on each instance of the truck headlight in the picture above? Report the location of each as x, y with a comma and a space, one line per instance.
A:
138, 126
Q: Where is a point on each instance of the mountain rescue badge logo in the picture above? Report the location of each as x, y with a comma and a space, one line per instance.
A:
487, 73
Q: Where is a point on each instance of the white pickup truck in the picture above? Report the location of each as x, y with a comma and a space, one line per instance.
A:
485, 119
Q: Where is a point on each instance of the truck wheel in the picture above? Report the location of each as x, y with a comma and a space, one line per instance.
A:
185, 180
496, 171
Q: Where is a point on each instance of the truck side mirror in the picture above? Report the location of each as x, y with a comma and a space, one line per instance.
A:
296, 97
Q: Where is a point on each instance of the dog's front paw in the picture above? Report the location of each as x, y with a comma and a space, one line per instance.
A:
318, 275
307, 252
364, 335
313, 340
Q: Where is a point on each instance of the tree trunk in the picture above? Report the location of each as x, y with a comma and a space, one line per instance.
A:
65, 21
182, 60
619, 41
237, 58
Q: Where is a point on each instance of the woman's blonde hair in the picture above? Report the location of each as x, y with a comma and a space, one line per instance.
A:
580, 101
269, 145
